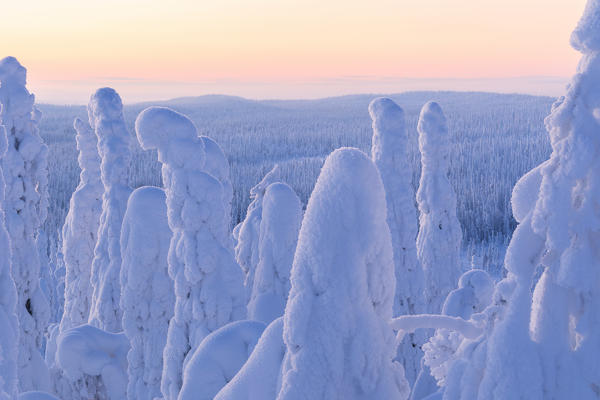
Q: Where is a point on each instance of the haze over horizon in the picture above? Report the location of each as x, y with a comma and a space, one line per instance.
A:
150, 50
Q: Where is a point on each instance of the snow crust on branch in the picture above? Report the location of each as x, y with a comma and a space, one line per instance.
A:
343, 281
26, 177
147, 294
208, 281
280, 224
105, 111
440, 235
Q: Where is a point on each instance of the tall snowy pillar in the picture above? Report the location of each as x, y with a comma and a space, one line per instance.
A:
25, 169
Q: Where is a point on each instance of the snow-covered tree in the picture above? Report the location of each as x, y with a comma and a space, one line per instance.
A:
147, 296
105, 111
208, 281
25, 172
440, 235
281, 219
389, 151
216, 164
558, 331
336, 323
9, 331
247, 232
80, 230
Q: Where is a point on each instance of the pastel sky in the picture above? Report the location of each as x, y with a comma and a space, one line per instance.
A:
150, 49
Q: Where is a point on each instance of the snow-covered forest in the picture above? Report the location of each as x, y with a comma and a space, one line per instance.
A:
424, 245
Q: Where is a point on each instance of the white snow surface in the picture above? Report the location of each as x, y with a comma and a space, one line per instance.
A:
389, 151
79, 233
147, 293
105, 111
260, 377
440, 236
247, 232
218, 359
216, 164
280, 224
25, 173
336, 323
9, 331
208, 281
86, 351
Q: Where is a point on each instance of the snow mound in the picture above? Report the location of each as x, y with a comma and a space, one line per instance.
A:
260, 376
218, 359
87, 350
586, 36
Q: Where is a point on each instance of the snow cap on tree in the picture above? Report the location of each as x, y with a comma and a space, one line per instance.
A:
343, 281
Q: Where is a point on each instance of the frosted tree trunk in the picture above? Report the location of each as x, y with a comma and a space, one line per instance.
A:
389, 151
106, 118
336, 324
25, 172
281, 220
208, 281
9, 331
79, 233
440, 235
248, 231
147, 294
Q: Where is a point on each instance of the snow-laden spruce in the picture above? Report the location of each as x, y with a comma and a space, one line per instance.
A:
218, 359
105, 111
9, 331
336, 323
25, 173
247, 232
281, 219
216, 164
147, 295
208, 281
389, 151
554, 337
80, 230
440, 235
94, 359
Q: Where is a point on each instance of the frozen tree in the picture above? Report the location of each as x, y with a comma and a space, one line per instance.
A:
147, 297
216, 164
208, 281
218, 359
79, 233
25, 173
336, 323
281, 219
440, 235
389, 151
105, 111
247, 232
9, 331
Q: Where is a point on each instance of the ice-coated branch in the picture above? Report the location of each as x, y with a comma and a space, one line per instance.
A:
410, 323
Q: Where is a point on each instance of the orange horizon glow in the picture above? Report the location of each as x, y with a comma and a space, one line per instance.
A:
242, 41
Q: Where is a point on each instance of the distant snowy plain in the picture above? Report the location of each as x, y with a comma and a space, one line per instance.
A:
495, 139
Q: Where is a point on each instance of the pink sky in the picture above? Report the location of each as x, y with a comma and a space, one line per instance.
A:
288, 49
